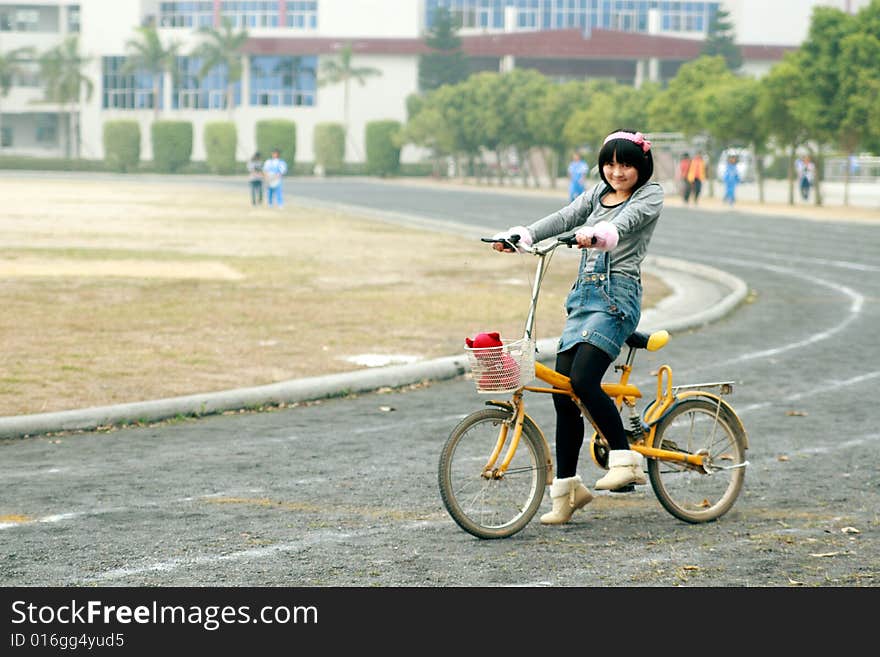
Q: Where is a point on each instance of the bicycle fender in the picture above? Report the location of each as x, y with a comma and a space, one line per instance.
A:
730, 415
548, 455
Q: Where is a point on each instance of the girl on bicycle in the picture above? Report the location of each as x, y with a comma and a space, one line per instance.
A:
614, 221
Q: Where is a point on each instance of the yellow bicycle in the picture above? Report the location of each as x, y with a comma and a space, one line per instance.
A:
496, 463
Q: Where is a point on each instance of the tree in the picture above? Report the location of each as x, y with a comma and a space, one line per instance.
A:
860, 86
776, 108
222, 48
728, 112
720, 40
548, 120
427, 127
11, 65
61, 69
675, 108
446, 64
148, 55
343, 71
823, 105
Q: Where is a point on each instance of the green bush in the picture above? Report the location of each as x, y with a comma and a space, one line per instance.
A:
31, 163
383, 149
172, 145
330, 147
280, 134
220, 145
122, 145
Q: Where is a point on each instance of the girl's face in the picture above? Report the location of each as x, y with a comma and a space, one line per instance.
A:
622, 177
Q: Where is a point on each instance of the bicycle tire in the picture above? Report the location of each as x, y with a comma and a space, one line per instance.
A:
686, 492
486, 507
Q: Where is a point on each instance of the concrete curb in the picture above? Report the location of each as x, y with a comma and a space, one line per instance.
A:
728, 290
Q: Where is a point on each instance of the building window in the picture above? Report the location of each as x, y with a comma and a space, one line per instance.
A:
208, 93
244, 15
73, 18
302, 15
186, 14
127, 90
279, 81
5, 137
47, 129
622, 15
28, 18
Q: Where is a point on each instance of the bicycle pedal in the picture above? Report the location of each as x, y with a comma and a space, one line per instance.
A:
629, 488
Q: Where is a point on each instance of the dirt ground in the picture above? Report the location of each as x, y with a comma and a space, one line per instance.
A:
123, 292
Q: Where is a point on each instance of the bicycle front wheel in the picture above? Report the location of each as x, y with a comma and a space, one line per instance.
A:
693, 494
484, 503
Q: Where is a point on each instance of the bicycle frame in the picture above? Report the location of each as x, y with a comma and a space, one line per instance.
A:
622, 392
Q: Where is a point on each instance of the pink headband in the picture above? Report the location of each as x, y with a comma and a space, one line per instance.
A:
634, 137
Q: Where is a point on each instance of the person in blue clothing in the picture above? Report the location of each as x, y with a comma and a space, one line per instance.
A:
273, 170
577, 176
731, 179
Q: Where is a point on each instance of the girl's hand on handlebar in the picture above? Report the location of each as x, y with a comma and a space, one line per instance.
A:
513, 238
603, 236
585, 237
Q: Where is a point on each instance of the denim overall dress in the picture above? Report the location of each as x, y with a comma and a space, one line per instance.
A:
603, 308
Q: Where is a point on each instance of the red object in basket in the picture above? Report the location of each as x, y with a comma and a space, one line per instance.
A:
501, 371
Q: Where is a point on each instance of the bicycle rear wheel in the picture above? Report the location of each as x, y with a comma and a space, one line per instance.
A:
482, 503
693, 494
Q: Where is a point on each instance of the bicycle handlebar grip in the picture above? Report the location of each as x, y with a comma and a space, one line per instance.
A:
511, 240
570, 240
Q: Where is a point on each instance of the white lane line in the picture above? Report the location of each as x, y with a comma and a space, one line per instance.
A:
60, 517
25, 474
831, 387
857, 302
395, 425
315, 538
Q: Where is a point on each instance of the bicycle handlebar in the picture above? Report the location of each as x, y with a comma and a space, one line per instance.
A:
513, 240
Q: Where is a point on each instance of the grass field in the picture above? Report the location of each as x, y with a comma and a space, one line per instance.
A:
116, 292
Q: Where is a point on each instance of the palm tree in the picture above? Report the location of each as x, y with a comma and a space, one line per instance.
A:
148, 55
61, 69
222, 48
11, 64
334, 72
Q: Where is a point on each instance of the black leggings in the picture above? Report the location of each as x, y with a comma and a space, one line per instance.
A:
585, 365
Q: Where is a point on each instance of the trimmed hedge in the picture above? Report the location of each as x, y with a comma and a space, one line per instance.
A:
122, 145
32, 163
383, 150
172, 145
330, 147
280, 134
220, 144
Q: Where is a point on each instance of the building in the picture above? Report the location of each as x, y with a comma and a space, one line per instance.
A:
629, 41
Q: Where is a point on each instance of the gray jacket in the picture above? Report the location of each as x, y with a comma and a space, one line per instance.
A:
635, 221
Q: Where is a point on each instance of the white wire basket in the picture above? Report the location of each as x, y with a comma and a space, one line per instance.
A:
502, 369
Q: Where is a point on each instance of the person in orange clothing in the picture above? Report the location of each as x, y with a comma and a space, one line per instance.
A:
696, 175
684, 165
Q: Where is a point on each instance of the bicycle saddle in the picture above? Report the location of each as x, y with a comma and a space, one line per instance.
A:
651, 342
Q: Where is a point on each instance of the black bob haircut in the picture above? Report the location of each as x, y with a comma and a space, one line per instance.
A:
627, 152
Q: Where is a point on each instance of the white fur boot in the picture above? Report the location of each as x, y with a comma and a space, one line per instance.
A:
624, 468
568, 495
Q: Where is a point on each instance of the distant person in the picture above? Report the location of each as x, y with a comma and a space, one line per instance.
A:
731, 179
274, 169
577, 176
696, 175
255, 177
806, 175
684, 166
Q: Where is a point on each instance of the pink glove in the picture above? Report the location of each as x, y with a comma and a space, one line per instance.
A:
525, 237
605, 234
